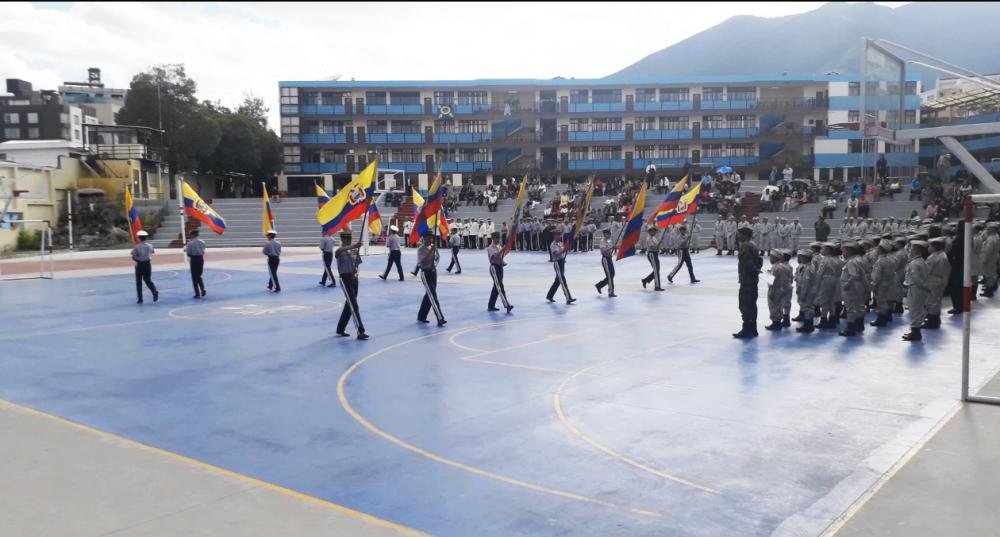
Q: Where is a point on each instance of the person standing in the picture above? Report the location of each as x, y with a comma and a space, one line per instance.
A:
651, 244
395, 254
822, 229
195, 250
991, 259
557, 253
805, 291
495, 256
455, 242
720, 235
683, 254
915, 281
272, 249
779, 293
748, 266
427, 258
854, 289
326, 246
347, 266
796, 234
731, 228
938, 270
608, 264
141, 254
883, 282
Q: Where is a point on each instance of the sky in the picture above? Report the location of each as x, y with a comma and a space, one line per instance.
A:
231, 49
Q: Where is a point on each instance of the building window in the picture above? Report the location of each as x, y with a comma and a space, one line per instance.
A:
853, 89
607, 96
404, 97
474, 154
911, 87
329, 98
32, 118
742, 93
581, 124
711, 94
674, 94
331, 127
579, 96
76, 134
645, 123
741, 121
376, 126
712, 122
376, 98
289, 95
578, 153
472, 97
645, 95
33, 133
290, 126
11, 118
645, 151
76, 121
444, 126
607, 152
406, 127
606, 124
292, 154
674, 151
12, 133
406, 155
310, 97
444, 98
333, 155
671, 123
870, 146
311, 127
712, 150
473, 126
853, 116
909, 117
742, 150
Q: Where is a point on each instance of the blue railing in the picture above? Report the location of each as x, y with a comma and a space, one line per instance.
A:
729, 133
462, 138
658, 106
728, 105
612, 164
405, 166
679, 134
596, 136
324, 167
849, 160
467, 167
874, 102
596, 107
730, 161
463, 108
321, 109
392, 138
380, 109
323, 138
640, 164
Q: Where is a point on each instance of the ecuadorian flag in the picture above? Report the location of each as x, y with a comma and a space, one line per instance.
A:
134, 222
267, 215
196, 208
349, 202
688, 204
633, 229
431, 214
321, 197
668, 202
375, 217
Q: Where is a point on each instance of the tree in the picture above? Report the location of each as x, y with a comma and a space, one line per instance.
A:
164, 98
254, 107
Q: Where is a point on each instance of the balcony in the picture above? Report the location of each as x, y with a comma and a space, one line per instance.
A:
393, 109
853, 160
323, 138
596, 107
467, 167
730, 161
640, 164
596, 136
463, 138
659, 106
463, 108
323, 167
394, 138
729, 133
416, 167
874, 102
321, 109
728, 105
669, 134
609, 164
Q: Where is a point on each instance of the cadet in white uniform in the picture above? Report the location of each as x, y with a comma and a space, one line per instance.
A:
141, 254
195, 250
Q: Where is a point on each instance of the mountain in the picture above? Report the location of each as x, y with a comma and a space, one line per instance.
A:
829, 39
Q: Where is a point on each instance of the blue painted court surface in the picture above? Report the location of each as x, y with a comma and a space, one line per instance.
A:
639, 415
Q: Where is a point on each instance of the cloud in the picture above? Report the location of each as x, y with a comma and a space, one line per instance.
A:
232, 48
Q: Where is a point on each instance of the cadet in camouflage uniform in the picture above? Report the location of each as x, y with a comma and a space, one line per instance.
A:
938, 270
827, 279
854, 289
805, 290
915, 280
779, 293
883, 282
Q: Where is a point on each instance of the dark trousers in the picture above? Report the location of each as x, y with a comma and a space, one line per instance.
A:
144, 273
560, 280
327, 260
394, 259
272, 268
429, 279
654, 261
496, 272
609, 274
748, 305
454, 259
197, 269
685, 259
349, 282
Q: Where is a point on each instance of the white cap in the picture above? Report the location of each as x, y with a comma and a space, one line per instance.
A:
272, 232
393, 228
142, 233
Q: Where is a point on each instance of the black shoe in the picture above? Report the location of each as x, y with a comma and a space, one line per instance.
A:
550, 299
775, 325
414, 273
718, 253
879, 321
138, 301
332, 285
492, 309
695, 281
343, 334
442, 322
786, 322
362, 336
322, 284
402, 280
277, 290
745, 334
612, 295
382, 277
913, 335
509, 308
425, 321
449, 270
658, 289
598, 287
197, 296
644, 284
670, 278
806, 328
156, 296
798, 318
458, 272
570, 301
203, 293
954, 311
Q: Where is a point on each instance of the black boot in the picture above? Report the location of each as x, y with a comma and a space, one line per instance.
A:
912, 335
807, 327
748, 331
898, 309
815, 311
859, 325
798, 318
775, 325
785, 321
879, 321
850, 329
932, 322
839, 312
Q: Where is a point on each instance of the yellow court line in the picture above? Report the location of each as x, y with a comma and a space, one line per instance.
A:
219, 470
342, 397
557, 406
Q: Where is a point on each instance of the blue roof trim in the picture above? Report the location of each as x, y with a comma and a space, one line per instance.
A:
564, 82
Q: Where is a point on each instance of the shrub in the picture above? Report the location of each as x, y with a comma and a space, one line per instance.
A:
29, 239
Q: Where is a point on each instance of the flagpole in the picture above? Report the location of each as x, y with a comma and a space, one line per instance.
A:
621, 233
180, 204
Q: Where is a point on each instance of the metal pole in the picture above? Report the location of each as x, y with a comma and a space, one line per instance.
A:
180, 205
966, 297
69, 215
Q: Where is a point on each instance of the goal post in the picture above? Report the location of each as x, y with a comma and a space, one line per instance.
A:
970, 202
46, 265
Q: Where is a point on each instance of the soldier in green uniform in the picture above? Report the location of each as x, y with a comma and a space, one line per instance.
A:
749, 266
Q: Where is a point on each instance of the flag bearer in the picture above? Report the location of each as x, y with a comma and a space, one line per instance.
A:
348, 269
557, 252
495, 256
427, 260
651, 243
393, 244
141, 254
608, 263
272, 249
195, 250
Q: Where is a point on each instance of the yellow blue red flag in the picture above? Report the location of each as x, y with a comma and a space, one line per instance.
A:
267, 213
668, 203
349, 202
196, 208
687, 204
134, 222
321, 197
633, 228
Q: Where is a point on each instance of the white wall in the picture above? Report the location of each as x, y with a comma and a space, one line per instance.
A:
830, 146
838, 89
